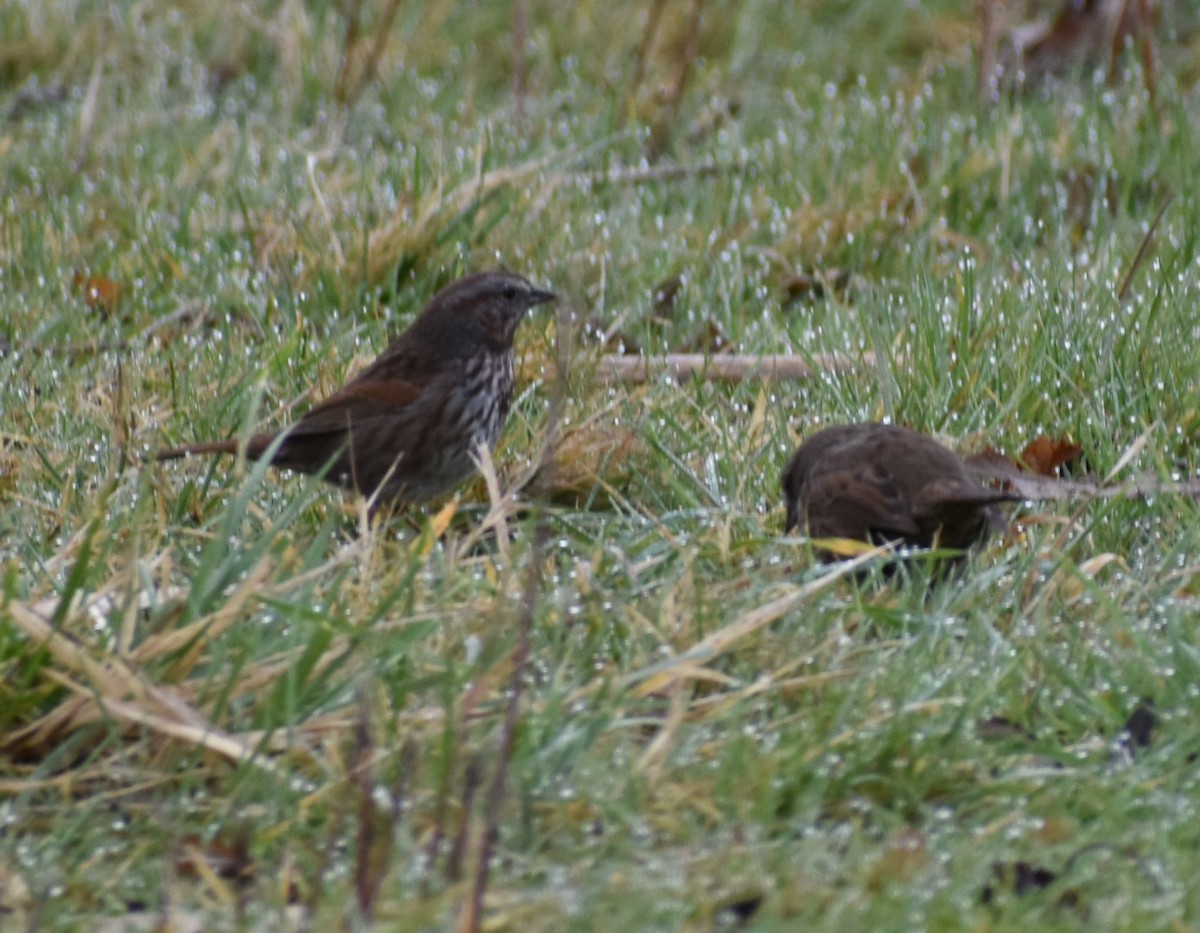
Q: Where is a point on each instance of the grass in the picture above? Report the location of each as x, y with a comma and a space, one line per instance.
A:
223, 704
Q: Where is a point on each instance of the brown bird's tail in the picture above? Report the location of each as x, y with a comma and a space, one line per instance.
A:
940, 494
215, 447
255, 448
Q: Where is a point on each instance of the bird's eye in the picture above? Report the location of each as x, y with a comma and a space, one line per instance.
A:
510, 292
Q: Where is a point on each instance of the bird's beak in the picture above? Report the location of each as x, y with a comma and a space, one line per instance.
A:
539, 296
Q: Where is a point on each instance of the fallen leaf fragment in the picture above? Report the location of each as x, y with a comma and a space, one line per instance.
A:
99, 292
1048, 457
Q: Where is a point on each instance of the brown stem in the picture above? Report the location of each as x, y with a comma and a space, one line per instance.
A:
726, 367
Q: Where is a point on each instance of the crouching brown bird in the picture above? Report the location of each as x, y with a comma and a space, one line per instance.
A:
880, 483
404, 430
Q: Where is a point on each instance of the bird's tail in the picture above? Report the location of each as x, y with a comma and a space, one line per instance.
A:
255, 448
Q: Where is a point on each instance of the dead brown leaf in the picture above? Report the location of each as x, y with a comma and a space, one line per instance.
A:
1050, 457
100, 293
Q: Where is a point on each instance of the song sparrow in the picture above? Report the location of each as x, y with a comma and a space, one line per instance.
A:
405, 429
880, 483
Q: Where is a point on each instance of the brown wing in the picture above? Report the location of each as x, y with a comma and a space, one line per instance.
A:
330, 436
357, 403
857, 501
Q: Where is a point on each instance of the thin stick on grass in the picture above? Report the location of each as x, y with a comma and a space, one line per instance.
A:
632, 175
636, 175
1034, 487
731, 367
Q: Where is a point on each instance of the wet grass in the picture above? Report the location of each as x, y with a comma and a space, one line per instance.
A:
220, 702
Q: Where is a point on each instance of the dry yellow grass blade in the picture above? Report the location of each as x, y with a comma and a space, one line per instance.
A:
780, 681
237, 749
199, 633
658, 677
500, 504
97, 773
198, 860
657, 752
439, 523
115, 689
685, 673
205, 630
111, 676
1073, 583
845, 547
714, 705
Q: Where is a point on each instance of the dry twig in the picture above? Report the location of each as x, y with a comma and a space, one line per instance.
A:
730, 367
